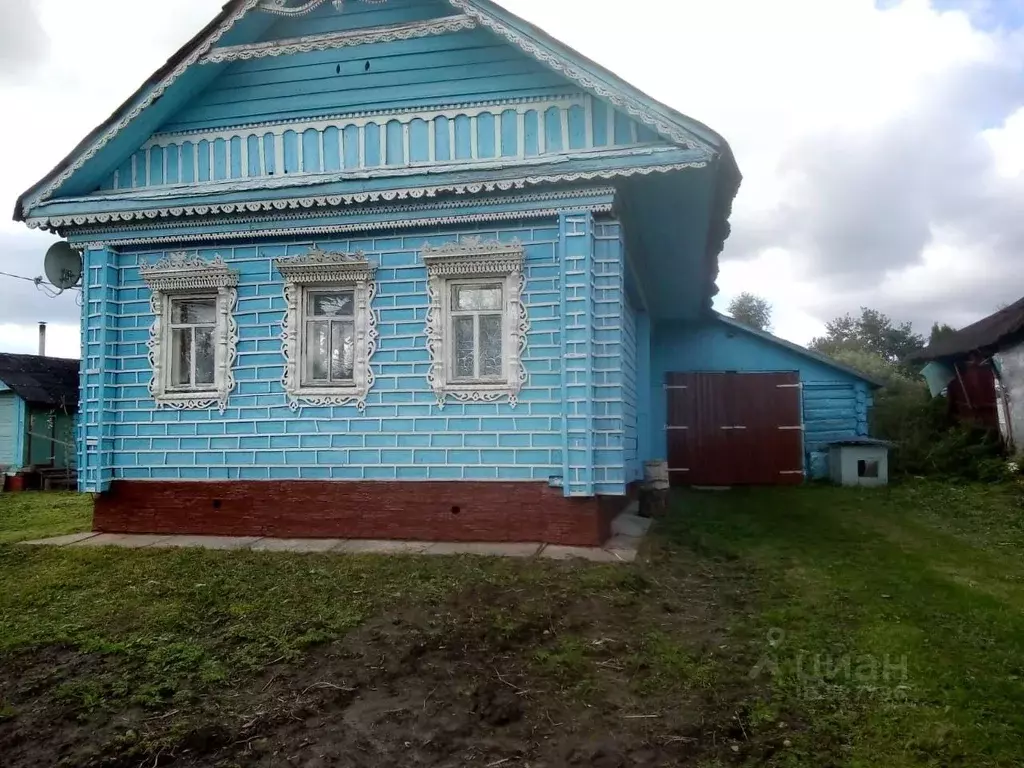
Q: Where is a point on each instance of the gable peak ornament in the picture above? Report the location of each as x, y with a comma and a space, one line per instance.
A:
282, 7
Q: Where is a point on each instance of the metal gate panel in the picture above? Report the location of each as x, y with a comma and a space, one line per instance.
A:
735, 429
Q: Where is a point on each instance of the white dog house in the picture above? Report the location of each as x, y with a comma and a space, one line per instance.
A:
859, 461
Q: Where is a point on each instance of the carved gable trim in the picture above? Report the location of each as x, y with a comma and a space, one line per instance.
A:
334, 40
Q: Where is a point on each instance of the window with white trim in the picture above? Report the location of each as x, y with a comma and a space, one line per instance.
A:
192, 327
330, 329
194, 336
477, 323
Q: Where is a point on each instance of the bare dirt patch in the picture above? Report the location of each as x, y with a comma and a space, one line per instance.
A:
639, 674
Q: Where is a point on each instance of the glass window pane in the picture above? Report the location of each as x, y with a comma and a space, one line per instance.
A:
340, 304
462, 348
204, 357
181, 358
343, 345
490, 346
194, 311
473, 297
318, 337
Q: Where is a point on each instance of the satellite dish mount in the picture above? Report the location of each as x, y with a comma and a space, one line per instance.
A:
63, 266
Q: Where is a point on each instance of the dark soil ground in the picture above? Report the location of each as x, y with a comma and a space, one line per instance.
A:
490, 677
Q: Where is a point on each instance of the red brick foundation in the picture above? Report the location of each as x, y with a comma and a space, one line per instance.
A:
456, 511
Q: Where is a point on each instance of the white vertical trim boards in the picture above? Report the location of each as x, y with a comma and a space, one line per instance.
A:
172, 145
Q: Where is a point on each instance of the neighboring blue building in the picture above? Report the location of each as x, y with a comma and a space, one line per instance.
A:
388, 268
38, 403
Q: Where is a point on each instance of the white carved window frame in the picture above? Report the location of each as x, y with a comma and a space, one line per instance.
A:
318, 270
184, 275
453, 264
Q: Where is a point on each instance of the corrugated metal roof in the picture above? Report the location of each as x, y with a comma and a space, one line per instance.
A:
988, 335
50, 382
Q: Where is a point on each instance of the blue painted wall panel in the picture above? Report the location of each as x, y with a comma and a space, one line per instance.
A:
12, 430
467, 66
402, 433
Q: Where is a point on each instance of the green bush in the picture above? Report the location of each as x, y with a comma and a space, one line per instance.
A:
928, 442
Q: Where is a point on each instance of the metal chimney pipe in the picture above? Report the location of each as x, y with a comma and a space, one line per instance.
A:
42, 339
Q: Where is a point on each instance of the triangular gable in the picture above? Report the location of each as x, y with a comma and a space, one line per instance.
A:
157, 92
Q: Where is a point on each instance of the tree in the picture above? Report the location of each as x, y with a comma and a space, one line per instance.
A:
872, 332
752, 310
940, 332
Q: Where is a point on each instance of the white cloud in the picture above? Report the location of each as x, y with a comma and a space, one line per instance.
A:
898, 131
1007, 142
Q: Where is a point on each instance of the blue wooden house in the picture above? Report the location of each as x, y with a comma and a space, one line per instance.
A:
412, 269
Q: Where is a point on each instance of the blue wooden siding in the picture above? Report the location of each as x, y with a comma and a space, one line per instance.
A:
306, 113
402, 434
12, 430
456, 68
835, 403
10, 427
631, 438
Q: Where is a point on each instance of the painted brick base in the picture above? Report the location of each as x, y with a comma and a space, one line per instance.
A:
427, 511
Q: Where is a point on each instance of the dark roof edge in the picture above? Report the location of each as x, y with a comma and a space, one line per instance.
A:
986, 336
803, 351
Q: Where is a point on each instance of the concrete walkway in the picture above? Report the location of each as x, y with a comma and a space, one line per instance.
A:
628, 530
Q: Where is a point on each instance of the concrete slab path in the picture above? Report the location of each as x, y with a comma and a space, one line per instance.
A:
623, 547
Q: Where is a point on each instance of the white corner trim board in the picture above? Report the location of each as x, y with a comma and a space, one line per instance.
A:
322, 270
187, 276
474, 263
334, 40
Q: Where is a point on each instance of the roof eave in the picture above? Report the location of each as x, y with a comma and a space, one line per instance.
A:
810, 354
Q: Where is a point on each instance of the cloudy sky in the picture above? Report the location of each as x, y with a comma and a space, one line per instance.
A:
882, 141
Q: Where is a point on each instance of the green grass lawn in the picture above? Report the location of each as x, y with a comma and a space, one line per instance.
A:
28, 516
791, 627
893, 619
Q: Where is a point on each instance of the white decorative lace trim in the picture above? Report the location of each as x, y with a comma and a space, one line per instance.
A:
184, 273
197, 53
562, 65
334, 40
162, 139
280, 7
321, 268
504, 185
335, 229
473, 257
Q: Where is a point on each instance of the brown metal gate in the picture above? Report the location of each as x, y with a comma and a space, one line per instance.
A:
735, 428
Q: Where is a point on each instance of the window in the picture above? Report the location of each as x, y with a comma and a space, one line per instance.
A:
330, 329
477, 315
194, 334
193, 325
477, 323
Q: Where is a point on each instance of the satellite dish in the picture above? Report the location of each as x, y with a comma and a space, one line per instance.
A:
63, 266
